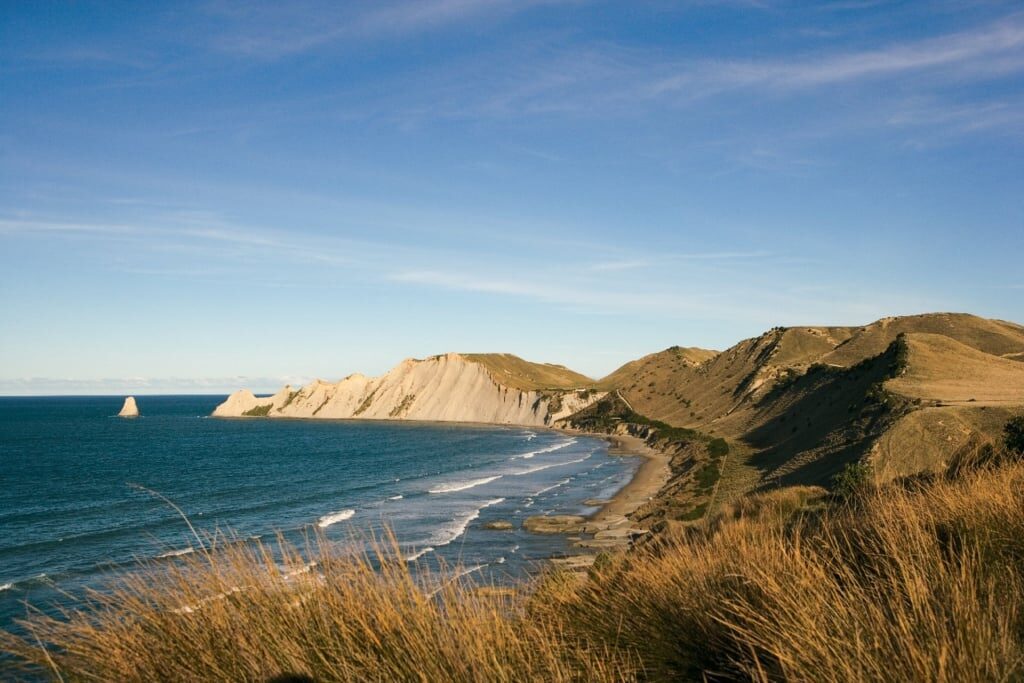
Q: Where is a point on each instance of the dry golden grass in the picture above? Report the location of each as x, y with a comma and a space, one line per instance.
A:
513, 371
904, 585
941, 368
919, 582
242, 614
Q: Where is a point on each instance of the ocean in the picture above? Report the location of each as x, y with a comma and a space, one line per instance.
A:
70, 516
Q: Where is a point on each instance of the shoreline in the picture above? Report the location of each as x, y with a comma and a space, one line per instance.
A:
610, 527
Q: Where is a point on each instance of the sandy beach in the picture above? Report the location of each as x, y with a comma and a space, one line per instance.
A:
610, 527
652, 475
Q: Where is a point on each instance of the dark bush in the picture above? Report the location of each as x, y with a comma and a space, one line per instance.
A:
1013, 435
854, 479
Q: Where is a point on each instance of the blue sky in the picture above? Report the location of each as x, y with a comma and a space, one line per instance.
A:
212, 194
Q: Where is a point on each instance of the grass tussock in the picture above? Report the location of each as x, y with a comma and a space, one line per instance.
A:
244, 614
923, 581
898, 585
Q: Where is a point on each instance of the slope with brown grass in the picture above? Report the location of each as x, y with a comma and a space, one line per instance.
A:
806, 400
922, 584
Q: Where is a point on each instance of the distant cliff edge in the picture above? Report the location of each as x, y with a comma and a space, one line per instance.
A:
492, 388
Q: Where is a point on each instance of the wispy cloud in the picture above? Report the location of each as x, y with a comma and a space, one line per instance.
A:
742, 300
992, 50
274, 30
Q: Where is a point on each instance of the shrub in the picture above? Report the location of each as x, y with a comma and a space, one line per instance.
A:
1013, 435
708, 475
854, 479
718, 448
258, 411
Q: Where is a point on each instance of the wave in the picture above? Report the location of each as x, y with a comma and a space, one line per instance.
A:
553, 486
538, 468
398, 497
468, 570
418, 554
458, 526
20, 584
549, 449
334, 518
176, 553
463, 485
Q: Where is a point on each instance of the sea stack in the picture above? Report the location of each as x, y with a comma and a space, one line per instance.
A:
129, 409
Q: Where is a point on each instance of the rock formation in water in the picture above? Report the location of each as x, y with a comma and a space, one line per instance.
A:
129, 409
493, 388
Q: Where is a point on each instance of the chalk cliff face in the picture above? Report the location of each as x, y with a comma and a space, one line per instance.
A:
450, 387
129, 409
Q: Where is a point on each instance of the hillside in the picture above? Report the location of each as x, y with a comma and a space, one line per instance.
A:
493, 388
802, 402
660, 365
513, 371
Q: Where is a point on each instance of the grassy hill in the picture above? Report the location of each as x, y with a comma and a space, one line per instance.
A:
806, 401
513, 371
657, 365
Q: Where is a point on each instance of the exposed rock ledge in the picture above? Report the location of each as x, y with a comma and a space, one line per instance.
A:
446, 388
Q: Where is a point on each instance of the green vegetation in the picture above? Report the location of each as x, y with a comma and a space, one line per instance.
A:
402, 407
365, 405
322, 404
855, 479
696, 513
1013, 435
611, 410
288, 401
718, 448
258, 411
922, 582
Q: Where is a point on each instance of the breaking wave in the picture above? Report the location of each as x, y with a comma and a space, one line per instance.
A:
458, 526
549, 449
334, 518
463, 485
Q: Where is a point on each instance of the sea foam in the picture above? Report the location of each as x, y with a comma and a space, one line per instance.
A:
538, 468
334, 518
549, 449
458, 526
463, 485
418, 554
553, 486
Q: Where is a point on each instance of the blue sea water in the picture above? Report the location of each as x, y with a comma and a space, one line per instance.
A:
69, 517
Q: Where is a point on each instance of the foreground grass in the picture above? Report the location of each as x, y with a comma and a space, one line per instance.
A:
923, 582
900, 585
242, 613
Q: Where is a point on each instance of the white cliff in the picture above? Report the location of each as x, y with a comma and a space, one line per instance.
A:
446, 388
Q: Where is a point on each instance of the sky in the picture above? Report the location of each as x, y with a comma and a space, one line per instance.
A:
198, 196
